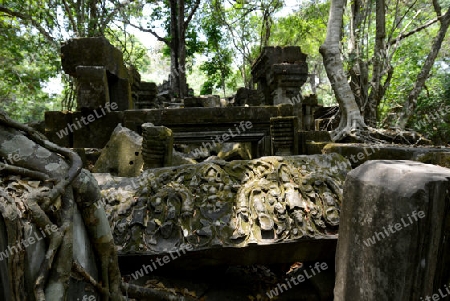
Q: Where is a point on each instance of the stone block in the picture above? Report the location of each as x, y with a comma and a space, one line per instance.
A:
240, 212
92, 87
120, 93
97, 133
283, 132
122, 155
393, 235
147, 96
436, 158
211, 101
56, 128
248, 97
157, 146
357, 153
94, 51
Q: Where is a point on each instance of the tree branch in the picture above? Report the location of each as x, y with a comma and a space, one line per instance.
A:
191, 14
405, 35
70, 16
116, 9
158, 37
26, 18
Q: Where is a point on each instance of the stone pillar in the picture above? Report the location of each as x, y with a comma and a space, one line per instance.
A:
393, 237
92, 87
284, 134
309, 105
120, 93
157, 146
147, 96
135, 82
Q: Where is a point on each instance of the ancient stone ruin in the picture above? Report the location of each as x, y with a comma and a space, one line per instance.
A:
247, 198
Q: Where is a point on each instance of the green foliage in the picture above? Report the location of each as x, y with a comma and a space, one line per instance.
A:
407, 62
432, 116
30, 35
307, 28
134, 52
24, 72
218, 69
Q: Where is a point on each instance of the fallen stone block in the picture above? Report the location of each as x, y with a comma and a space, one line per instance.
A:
393, 235
239, 212
122, 155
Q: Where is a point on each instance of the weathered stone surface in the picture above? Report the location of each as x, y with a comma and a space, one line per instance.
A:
189, 125
100, 72
309, 104
147, 96
122, 155
96, 51
357, 154
392, 237
235, 151
120, 93
157, 146
92, 87
75, 129
97, 133
134, 78
179, 158
284, 135
55, 121
249, 97
279, 73
312, 142
210, 101
215, 206
436, 158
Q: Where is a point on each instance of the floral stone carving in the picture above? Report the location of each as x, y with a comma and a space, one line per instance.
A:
222, 204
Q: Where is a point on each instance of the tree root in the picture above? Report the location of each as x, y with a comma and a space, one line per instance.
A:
351, 125
14, 230
78, 268
11, 169
73, 186
138, 292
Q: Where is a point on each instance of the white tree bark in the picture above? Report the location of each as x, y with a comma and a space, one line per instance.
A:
351, 118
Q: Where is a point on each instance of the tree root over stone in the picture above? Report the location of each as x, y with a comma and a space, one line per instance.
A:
72, 187
349, 126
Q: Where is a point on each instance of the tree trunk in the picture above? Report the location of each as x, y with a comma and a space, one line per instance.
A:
379, 60
357, 67
174, 49
182, 50
351, 119
411, 102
